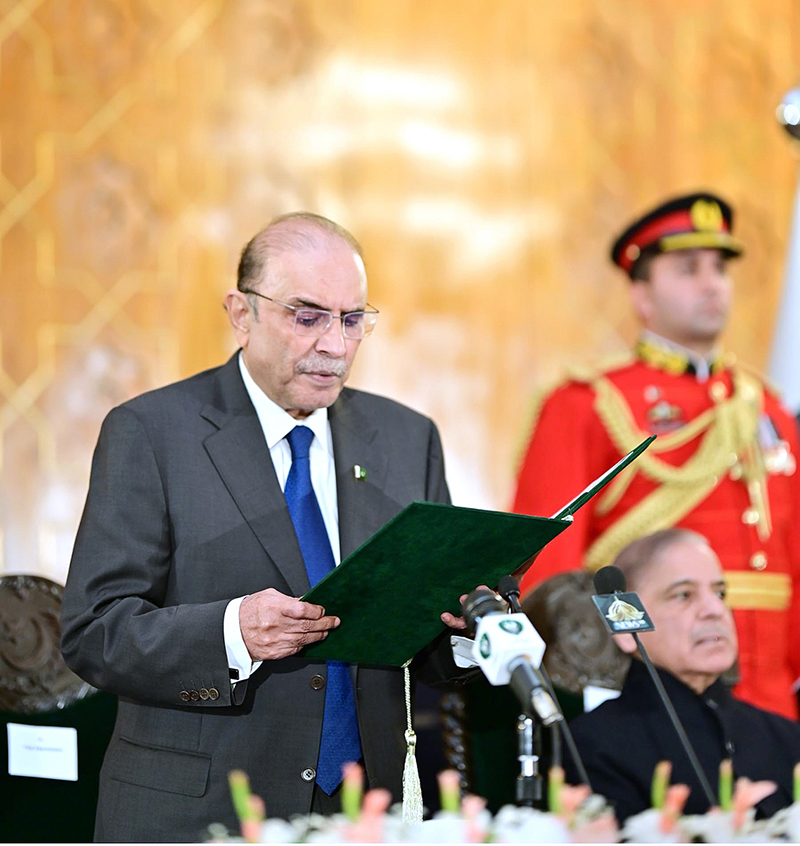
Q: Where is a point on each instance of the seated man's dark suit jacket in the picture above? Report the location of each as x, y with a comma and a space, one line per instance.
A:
185, 513
623, 739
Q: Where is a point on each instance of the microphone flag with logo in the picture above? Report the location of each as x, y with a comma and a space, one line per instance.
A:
621, 612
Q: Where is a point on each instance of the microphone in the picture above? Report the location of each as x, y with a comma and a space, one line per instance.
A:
508, 588
624, 613
621, 612
609, 580
508, 649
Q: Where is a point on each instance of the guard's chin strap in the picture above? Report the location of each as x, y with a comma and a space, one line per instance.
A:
412, 791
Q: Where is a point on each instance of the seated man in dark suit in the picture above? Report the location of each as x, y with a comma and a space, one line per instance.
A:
680, 581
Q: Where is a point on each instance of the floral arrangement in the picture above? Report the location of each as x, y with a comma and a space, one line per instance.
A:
574, 815
731, 821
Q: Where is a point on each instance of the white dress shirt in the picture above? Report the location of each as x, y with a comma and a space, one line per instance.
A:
276, 425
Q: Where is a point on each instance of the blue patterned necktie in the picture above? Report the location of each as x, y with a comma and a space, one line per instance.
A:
340, 740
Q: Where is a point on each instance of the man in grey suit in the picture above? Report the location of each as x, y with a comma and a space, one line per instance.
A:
213, 504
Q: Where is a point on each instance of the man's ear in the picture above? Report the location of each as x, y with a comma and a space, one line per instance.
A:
641, 300
240, 314
626, 643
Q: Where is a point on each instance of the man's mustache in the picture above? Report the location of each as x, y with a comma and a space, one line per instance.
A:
321, 364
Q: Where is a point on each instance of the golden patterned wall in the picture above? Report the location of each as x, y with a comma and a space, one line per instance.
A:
483, 152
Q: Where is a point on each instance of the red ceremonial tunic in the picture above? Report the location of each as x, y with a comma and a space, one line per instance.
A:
571, 445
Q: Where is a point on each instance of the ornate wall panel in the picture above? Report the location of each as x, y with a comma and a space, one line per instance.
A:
483, 153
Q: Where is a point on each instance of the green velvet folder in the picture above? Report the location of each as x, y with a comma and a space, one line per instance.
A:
390, 592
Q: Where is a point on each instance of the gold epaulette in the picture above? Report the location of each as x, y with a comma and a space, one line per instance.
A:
588, 373
754, 373
582, 373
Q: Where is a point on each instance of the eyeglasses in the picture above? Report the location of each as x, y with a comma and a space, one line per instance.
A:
314, 322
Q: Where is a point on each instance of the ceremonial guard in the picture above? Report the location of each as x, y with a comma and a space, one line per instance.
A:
724, 462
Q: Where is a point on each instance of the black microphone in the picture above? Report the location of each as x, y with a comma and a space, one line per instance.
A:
609, 583
508, 588
609, 580
506, 650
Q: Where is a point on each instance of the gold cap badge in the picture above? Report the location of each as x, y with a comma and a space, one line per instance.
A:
706, 215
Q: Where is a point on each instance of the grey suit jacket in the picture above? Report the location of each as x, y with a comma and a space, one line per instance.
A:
185, 513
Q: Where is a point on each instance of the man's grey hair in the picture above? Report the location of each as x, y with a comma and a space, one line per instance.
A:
640, 554
293, 232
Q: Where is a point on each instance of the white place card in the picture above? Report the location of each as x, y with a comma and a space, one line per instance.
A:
43, 751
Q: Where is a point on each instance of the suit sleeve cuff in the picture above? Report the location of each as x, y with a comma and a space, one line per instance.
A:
240, 663
462, 651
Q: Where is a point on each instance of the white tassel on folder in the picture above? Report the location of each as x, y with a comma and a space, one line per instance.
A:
412, 790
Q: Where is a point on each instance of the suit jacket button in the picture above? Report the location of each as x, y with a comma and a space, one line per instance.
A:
308, 774
194, 695
203, 693
213, 693
317, 682
185, 696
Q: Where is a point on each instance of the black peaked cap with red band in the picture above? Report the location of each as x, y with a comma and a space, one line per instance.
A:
683, 223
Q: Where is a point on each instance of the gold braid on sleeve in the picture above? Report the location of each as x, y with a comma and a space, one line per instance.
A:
729, 436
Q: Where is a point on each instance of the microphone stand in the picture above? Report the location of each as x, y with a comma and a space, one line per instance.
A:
687, 746
610, 581
529, 787
512, 597
530, 781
